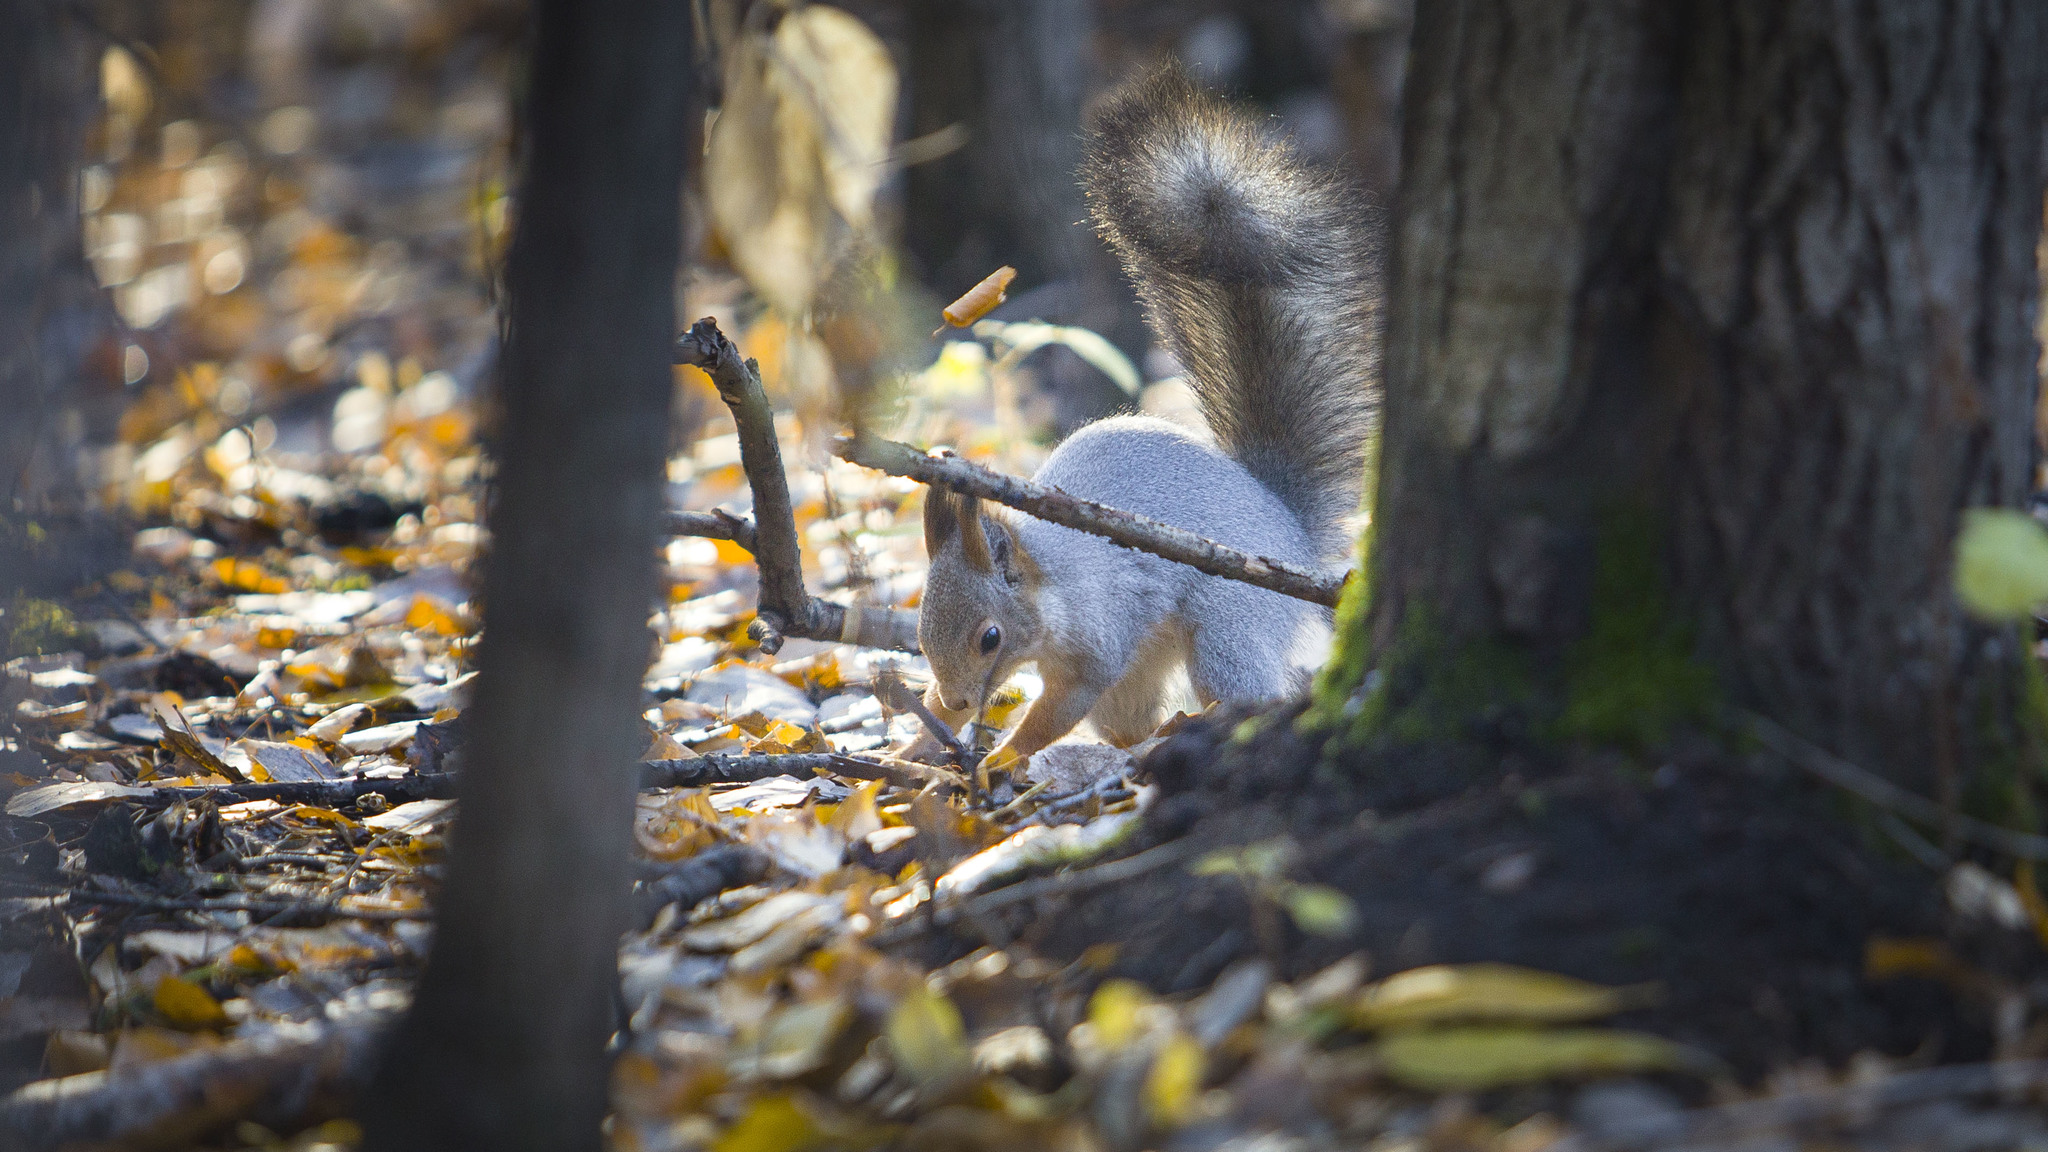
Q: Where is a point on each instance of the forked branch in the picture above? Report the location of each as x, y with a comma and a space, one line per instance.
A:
787, 608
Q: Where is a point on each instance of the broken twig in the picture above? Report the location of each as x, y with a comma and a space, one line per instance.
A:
1140, 533
893, 692
787, 609
1058, 884
1886, 795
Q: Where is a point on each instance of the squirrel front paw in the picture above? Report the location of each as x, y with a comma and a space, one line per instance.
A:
924, 748
1004, 758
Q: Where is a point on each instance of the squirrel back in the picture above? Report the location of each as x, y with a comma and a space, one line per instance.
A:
1257, 268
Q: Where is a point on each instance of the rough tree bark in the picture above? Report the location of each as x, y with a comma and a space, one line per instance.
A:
503, 1047
1706, 321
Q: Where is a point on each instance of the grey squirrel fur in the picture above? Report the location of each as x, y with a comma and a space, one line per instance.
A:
1257, 268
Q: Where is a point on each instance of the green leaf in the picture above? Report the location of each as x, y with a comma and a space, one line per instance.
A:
1320, 910
1479, 1058
928, 1038
2001, 563
1445, 992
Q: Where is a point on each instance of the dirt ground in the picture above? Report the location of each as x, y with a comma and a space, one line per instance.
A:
1761, 906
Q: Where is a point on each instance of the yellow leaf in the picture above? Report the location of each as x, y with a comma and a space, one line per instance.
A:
1113, 1012
1445, 992
429, 614
2001, 563
772, 1124
1475, 1059
1173, 1082
859, 815
927, 1037
186, 1005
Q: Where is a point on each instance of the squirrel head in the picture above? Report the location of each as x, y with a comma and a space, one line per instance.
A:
979, 617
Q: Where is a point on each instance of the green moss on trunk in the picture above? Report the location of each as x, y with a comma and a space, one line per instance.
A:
1633, 675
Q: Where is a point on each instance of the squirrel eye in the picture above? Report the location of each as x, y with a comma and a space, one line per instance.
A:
990, 639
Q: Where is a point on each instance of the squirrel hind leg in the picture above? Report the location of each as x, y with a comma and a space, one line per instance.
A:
1252, 658
1134, 705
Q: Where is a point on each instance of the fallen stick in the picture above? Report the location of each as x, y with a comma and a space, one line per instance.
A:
787, 608
255, 907
1139, 533
1889, 796
1057, 884
314, 793
276, 1078
1857, 1103
725, 768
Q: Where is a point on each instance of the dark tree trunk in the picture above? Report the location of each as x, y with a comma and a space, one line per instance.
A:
1706, 321
503, 1047
46, 292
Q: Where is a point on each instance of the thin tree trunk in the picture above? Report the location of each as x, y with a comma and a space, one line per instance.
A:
46, 292
503, 1047
1705, 323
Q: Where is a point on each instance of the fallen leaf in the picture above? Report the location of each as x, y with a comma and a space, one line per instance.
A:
1445, 992
772, 1123
50, 797
928, 1038
1475, 1059
186, 1005
1174, 1082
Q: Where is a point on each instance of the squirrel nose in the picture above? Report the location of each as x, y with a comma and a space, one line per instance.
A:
952, 704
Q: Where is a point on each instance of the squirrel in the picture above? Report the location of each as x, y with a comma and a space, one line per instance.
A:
1256, 267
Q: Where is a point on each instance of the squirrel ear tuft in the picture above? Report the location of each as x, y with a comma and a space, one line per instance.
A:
1002, 547
940, 519
973, 539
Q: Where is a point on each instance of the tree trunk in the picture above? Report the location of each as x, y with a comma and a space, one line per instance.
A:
1706, 322
46, 292
504, 1046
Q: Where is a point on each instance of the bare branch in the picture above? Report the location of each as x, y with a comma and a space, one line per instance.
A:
787, 609
1128, 529
717, 524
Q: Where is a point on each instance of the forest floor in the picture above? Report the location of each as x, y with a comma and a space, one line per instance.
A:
226, 815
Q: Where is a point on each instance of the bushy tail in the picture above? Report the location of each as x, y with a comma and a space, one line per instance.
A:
1258, 269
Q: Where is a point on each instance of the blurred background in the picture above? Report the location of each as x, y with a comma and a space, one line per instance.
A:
286, 236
